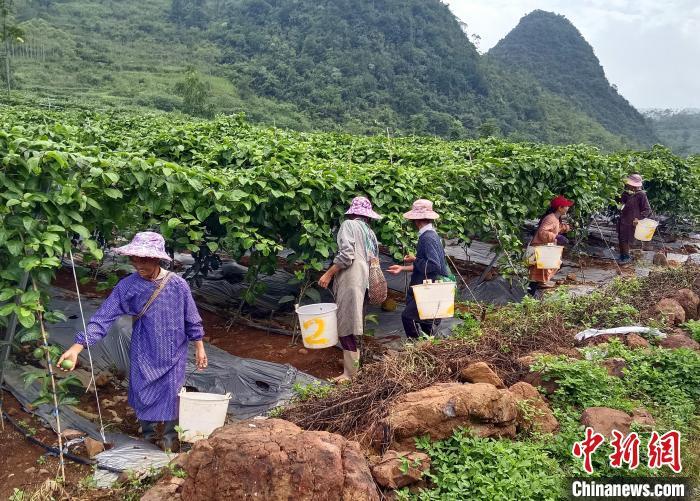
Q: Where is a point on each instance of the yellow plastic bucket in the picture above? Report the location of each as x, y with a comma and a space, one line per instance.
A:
319, 325
201, 414
548, 257
644, 231
435, 299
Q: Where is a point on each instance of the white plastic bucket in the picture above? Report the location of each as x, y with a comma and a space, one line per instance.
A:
319, 325
435, 299
645, 229
201, 414
548, 257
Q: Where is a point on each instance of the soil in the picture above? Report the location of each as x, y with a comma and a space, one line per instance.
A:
15, 467
248, 342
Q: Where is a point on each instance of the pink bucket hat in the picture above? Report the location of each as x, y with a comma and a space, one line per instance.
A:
634, 180
361, 206
145, 244
422, 209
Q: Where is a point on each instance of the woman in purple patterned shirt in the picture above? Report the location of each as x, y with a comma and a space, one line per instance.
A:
166, 320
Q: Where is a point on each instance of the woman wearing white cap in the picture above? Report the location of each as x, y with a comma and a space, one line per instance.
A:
635, 206
428, 263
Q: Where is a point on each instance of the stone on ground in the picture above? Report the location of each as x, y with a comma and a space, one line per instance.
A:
93, 447
642, 417
689, 301
636, 341
480, 372
533, 412
676, 341
671, 310
660, 259
614, 366
272, 459
437, 410
399, 469
604, 420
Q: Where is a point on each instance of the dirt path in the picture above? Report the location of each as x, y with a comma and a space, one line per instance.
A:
24, 465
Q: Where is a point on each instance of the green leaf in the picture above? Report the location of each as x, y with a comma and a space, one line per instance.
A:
7, 294
28, 223
81, 230
174, 222
113, 193
213, 246
286, 299
314, 295
7, 309
26, 318
15, 247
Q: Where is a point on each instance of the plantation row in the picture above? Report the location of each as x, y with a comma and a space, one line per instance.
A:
227, 184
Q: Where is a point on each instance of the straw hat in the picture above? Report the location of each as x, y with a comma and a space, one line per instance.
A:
422, 209
145, 244
634, 180
361, 206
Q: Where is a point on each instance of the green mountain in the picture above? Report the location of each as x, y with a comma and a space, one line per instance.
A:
678, 129
361, 66
549, 48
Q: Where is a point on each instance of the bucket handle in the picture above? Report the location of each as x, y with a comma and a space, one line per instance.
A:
297, 305
183, 391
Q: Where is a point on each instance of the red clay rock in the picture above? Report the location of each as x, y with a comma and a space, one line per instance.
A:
437, 410
539, 416
604, 420
537, 380
70, 434
390, 472
614, 366
93, 447
635, 341
642, 417
689, 301
660, 259
273, 459
676, 341
670, 310
480, 372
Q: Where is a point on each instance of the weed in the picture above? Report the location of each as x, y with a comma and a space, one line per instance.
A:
469, 329
18, 495
276, 412
488, 469
693, 328
313, 390
41, 460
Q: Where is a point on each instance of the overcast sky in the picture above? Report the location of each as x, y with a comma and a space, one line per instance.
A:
649, 48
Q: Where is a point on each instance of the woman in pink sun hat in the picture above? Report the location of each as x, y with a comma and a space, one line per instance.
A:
357, 244
635, 206
166, 320
428, 263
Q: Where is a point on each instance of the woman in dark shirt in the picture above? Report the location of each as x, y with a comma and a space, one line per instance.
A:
635, 206
428, 263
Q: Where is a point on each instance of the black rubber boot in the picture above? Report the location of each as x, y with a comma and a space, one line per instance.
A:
148, 430
170, 438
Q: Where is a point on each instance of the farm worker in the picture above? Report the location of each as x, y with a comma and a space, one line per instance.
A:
428, 263
549, 231
635, 206
357, 244
166, 319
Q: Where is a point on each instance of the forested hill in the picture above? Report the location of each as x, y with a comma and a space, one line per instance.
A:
551, 49
362, 66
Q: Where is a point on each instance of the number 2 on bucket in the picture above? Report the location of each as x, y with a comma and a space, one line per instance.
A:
316, 338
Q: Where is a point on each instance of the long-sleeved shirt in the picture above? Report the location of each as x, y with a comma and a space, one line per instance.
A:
430, 258
159, 339
636, 206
